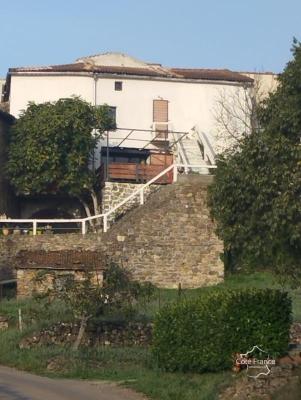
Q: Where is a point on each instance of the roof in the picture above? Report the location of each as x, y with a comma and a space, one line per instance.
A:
61, 260
121, 64
211, 74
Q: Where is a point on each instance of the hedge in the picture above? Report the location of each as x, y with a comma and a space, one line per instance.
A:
203, 334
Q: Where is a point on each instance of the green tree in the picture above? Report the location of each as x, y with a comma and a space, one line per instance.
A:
51, 148
89, 298
281, 111
255, 197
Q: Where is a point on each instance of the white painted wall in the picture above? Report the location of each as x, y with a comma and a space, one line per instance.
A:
190, 103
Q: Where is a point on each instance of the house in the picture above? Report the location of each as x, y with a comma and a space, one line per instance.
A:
162, 114
156, 108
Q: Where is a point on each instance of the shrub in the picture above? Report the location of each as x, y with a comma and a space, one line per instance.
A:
203, 334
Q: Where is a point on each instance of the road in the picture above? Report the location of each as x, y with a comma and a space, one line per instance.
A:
19, 385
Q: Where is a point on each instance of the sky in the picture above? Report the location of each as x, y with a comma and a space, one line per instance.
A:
236, 34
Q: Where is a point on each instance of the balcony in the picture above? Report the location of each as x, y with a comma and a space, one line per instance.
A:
135, 167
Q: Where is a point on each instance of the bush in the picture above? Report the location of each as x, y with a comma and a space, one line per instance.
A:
203, 334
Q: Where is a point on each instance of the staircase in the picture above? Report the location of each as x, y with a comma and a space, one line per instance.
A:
195, 149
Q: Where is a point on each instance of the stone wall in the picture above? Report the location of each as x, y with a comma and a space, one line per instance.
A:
28, 284
170, 240
106, 334
114, 192
264, 387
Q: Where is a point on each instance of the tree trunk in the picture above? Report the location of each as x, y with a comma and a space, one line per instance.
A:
81, 332
96, 208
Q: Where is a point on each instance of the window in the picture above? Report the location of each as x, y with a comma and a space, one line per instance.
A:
160, 117
112, 115
118, 85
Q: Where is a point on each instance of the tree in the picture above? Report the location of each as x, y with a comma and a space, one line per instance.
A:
236, 111
255, 197
281, 111
51, 147
89, 298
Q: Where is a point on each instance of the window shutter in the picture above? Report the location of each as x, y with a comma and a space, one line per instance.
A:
160, 111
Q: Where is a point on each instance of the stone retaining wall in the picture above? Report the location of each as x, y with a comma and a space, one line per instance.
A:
170, 240
114, 192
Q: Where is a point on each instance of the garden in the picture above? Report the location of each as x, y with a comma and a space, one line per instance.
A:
189, 355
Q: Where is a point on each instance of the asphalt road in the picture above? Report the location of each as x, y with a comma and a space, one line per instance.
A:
19, 385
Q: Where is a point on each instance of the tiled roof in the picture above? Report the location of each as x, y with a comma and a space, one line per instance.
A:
82, 67
211, 74
150, 71
64, 260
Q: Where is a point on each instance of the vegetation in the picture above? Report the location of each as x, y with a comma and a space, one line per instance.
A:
203, 334
255, 197
51, 147
88, 298
134, 367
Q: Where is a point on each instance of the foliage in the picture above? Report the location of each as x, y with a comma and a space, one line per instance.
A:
132, 366
89, 298
122, 293
203, 334
51, 146
281, 112
255, 197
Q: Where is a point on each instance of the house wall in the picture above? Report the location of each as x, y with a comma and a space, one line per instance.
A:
191, 103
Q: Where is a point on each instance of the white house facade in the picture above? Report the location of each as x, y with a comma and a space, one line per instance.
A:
154, 105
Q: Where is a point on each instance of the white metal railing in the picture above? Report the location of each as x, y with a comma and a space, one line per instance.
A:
137, 193
209, 153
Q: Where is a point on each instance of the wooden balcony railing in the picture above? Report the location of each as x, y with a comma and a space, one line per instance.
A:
133, 172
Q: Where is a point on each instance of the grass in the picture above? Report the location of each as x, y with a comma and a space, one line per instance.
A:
236, 281
133, 366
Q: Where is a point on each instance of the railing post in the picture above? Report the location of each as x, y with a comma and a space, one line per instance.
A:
141, 197
34, 227
105, 223
83, 227
175, 173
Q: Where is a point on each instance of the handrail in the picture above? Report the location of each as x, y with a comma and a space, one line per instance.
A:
139, 191
208, 149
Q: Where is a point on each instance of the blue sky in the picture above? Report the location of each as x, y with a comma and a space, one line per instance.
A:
235, 34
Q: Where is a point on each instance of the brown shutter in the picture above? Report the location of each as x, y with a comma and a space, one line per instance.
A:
160, 111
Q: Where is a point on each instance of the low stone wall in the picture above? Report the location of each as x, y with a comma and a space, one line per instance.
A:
262, 387
106, 334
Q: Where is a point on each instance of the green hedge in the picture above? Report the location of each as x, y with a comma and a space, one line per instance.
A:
204, 333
